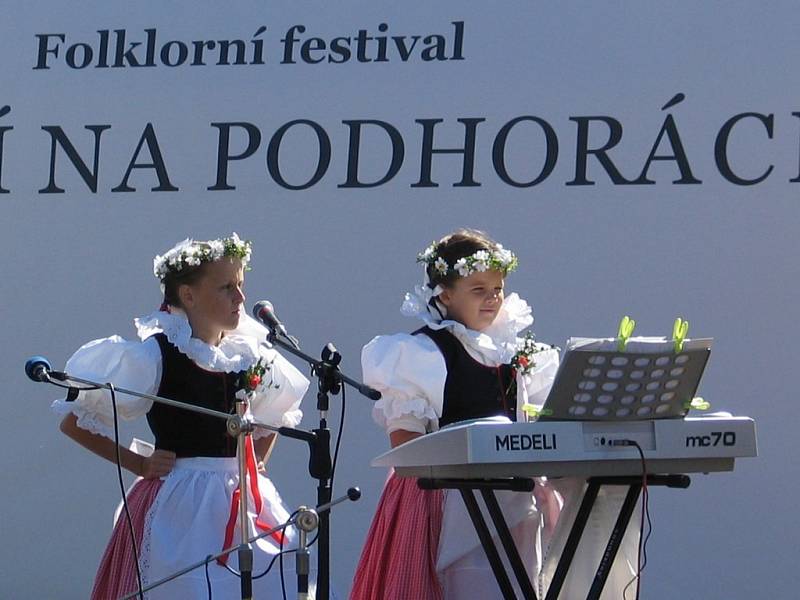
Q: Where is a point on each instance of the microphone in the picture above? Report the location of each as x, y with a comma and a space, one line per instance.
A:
38, 368
265, 312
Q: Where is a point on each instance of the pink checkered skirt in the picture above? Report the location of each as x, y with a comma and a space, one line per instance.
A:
399, 558
116, 575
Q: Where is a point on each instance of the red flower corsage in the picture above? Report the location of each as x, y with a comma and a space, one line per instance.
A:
250, 380
523, 359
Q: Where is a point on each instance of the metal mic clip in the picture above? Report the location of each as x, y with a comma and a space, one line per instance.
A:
307, 519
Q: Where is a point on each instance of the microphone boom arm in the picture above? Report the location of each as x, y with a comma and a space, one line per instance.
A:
169, 402
319, 366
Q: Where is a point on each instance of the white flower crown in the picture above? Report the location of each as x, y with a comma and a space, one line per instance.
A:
191, 253
498, 259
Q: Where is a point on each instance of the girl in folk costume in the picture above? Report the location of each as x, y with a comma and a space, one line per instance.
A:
468, 361
457, 367
199, 348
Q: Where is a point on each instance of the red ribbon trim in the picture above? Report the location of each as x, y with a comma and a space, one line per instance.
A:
252, 484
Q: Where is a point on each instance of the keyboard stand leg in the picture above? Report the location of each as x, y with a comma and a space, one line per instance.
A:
488, 544
623, 520
487, 488
614, 541
574, 538
523, 579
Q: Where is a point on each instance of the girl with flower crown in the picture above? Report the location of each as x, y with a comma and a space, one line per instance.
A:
199, 348
468, 361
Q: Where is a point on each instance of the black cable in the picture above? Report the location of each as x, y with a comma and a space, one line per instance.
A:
280, 553
641, 555
122, 489
335, 453
208, 578
264, 572
646, 513
313, 540
338, 437
649, 530
72, 387
272, 562
280, 560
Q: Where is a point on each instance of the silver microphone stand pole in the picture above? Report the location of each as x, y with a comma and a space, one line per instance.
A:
245, 553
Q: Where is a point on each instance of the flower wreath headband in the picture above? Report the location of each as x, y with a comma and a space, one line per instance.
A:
191, 253
498, 259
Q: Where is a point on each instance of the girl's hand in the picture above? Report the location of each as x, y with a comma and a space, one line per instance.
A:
158, 464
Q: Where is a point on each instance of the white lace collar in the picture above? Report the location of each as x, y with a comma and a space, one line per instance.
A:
495, 344
238, 350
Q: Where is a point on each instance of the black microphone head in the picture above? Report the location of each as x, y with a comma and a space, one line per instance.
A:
353, 493
265, 313
260, 309
37, 368
372, 393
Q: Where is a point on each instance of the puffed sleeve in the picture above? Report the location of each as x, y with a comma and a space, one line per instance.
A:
277, 402
131, 365
540, 379
410, 373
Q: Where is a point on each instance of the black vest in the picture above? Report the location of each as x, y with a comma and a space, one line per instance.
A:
187, 433
471, 390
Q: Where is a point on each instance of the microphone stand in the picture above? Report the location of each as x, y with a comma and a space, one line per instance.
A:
330, 382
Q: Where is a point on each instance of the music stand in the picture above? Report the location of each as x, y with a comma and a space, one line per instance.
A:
647, 380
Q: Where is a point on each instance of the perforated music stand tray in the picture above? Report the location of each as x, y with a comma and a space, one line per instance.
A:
648, 380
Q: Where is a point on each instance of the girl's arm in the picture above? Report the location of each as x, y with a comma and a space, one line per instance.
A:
401, 436
156, 465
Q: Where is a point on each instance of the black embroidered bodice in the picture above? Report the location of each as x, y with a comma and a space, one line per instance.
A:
187, 433
471, 390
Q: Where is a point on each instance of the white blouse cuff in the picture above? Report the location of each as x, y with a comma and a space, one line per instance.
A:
413, 414
407, 424
290, 418
90, 421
